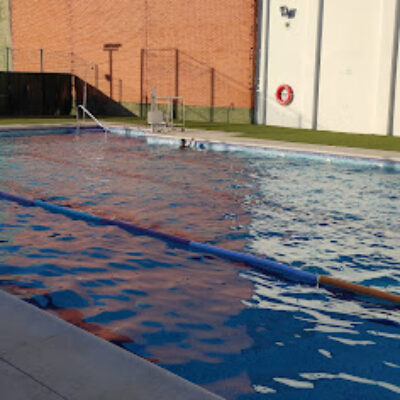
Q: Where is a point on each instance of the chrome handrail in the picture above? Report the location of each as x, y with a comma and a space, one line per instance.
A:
87, 112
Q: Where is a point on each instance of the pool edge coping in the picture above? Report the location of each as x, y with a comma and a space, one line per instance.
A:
49, 352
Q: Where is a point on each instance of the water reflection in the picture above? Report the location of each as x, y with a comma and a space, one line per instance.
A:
134, 286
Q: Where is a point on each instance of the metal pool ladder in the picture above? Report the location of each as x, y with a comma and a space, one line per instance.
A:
89, 114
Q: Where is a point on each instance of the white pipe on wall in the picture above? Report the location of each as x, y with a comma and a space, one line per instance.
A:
393, 80
317, 68
263, 9
259, 64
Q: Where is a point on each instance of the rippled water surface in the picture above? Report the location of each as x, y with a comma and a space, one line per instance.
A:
239, 333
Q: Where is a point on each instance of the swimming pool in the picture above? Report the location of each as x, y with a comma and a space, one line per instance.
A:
239, 333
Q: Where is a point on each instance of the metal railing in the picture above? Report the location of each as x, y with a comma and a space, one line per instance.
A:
89, 114
164, 110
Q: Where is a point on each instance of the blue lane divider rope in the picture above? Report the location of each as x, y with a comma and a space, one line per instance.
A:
264, 265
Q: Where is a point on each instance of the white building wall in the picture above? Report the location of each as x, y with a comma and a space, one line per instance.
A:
355, 66
291, 56
383, 60
350, 95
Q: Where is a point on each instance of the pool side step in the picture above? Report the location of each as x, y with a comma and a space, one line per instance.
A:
45, 358
265, 265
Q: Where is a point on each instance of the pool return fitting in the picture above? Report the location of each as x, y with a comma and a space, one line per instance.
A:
264, 265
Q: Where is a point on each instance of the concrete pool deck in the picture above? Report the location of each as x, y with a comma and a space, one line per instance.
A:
43, 357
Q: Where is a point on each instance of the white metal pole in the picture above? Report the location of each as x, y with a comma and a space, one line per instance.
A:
393, 78
84, 100
263, 12
317, 66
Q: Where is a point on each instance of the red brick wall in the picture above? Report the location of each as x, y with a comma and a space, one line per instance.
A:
208, 34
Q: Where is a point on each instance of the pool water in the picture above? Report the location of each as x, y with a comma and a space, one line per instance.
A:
239, 333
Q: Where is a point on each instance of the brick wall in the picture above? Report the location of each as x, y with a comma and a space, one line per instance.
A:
199, 49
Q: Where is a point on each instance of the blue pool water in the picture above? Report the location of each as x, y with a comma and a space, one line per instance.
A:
239, 333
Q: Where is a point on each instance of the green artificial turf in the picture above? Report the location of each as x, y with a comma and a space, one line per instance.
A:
253, 131
305, 136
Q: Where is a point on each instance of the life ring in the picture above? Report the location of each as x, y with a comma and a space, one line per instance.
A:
284, 100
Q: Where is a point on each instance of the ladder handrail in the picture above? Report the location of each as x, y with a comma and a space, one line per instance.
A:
86, 111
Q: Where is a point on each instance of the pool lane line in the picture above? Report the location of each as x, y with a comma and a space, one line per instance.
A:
99, 220
77, 206
264, 265
267, 266
28, 131
133, 175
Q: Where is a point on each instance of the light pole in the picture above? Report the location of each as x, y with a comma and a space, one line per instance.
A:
110, 47
89, 65
84, 100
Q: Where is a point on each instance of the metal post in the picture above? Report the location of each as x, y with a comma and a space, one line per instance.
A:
74, 94
72, 63
252, 57
110, 74
120, 90
96, 76
175, 113
142, 55
84, 102
317, 67
176, 72
183, 115
7, 59
41, 60
212, 96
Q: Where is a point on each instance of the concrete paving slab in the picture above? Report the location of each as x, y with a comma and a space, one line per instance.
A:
73, 364
15, 385
16, 322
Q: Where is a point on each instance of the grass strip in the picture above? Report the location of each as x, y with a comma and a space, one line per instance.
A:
328, 138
